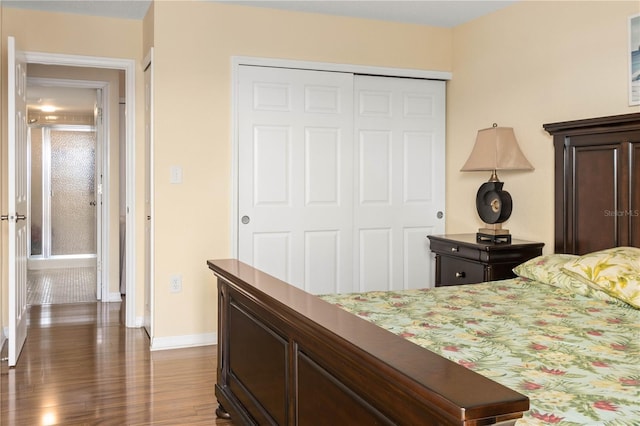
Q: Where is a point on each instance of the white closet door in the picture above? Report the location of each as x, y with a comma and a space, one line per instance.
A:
399, 180
295, 182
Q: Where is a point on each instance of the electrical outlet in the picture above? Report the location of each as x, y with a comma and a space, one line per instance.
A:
175, 284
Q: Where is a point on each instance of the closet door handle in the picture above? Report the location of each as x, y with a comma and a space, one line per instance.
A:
20, 217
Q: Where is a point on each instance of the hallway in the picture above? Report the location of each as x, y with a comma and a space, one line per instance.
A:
81, 366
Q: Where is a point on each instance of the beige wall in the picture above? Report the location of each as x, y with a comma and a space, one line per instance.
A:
529, 64
76, 35
193, 46
532, 63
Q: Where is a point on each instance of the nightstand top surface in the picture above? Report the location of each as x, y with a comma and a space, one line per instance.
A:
470, 241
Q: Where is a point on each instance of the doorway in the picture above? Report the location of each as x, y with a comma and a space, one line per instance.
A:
123, 92
63, 225
65, 219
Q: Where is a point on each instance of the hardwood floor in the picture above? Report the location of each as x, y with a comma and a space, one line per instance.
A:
81, 366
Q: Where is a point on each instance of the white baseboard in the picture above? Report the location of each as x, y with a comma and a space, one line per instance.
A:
114, 297
139, 322
187, 341
158, 343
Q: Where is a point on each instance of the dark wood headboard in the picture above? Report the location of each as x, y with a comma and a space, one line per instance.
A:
597, 183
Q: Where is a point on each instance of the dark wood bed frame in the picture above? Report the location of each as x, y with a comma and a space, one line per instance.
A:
287, 357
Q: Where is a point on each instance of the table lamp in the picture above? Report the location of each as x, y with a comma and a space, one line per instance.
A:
496, 148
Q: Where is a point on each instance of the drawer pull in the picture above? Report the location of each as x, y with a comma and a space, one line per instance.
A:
454, 249
460, 274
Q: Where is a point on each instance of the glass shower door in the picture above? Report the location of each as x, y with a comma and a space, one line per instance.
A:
73, 199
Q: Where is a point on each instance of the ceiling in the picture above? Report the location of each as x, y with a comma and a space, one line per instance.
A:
441, 13
66, 100
127, 9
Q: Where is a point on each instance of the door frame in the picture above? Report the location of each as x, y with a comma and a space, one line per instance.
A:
237, 61
129, 67
149, 250
102, 134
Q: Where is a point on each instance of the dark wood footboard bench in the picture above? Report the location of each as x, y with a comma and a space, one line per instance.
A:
287, 357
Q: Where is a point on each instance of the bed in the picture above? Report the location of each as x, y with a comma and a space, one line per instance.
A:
288, 357
576, 355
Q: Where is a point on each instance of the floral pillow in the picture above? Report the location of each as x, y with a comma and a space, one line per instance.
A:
545, 268
615, 271
548, 269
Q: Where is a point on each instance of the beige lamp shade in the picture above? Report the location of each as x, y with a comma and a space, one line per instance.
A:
496, 148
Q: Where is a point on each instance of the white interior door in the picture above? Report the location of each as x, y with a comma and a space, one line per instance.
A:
399, 179
295, 163
18, 199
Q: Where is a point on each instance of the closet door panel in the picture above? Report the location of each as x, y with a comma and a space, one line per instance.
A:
374, 165
295, 190
399, 174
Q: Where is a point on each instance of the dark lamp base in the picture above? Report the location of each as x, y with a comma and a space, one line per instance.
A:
496, 236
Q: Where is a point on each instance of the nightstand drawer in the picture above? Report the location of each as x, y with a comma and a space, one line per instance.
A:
455, 271
455, 249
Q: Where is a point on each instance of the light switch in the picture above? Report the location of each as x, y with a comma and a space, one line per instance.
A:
176, 174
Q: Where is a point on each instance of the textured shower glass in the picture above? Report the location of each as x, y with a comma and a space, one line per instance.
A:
73, 217
36, 192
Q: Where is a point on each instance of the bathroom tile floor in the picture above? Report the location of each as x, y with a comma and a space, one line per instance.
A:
65, 285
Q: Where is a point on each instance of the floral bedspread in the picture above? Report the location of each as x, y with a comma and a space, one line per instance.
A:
577, 359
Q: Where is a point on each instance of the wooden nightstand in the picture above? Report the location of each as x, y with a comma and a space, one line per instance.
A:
460, 259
